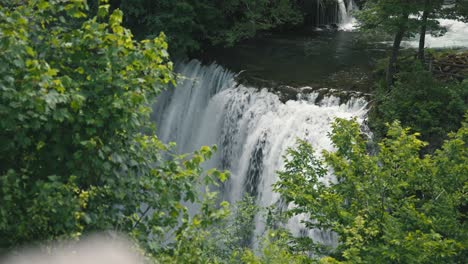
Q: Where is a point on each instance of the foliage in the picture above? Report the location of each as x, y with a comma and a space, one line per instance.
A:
77, 150
274, 250
386, 15
457, 10
392, 207
402, 18
231, 240
191, 24
191, 243
420, 101
392, 17
236, 232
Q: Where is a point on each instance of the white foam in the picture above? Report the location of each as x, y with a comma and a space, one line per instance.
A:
456, 36
347, 21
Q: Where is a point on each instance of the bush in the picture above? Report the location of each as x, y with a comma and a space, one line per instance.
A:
77, 148
418, 100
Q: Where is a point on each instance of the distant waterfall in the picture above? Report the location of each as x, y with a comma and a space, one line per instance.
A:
346, 19
343, 11
323, 13
252, 128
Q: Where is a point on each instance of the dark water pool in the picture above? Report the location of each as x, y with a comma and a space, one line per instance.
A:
333, 59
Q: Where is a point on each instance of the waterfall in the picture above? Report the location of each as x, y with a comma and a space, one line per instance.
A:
343, 12
346, 20
321, 13
252, 129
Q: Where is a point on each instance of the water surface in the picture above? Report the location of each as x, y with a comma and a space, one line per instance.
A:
328, 58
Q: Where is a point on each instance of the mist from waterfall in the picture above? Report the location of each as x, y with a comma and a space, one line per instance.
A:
252, 129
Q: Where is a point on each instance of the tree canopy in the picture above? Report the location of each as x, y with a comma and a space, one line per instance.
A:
191, 24
77, 149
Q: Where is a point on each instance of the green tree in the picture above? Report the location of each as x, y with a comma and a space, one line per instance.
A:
194, 24
392, 207
77, 148
458, 9
429, 7
404, 18
429, 106
392, 17
432, 9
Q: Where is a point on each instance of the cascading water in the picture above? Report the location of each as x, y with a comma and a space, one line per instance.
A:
325, 13
455, 37
252, 129
346, 22
343, 11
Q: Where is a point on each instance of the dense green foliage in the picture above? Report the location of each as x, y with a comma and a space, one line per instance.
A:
385, 15
392, 207
190, 24
78, 153
429, 106
77, 150
230, 241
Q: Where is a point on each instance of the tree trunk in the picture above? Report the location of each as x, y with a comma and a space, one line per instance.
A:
318, 13
391, 68
422, 32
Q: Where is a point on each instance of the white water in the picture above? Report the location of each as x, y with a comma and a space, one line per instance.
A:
346, 20
456, 36
343, 12
251, 128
